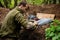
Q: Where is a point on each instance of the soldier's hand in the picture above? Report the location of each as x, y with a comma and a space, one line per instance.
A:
31, 26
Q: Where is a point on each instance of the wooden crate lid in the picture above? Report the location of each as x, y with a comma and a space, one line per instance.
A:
45, 15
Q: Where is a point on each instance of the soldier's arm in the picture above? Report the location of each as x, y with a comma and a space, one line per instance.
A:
24, 22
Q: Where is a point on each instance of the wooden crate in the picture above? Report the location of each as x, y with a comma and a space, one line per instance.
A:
45, 15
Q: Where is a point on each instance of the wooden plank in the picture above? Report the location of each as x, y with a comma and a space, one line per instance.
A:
45, 15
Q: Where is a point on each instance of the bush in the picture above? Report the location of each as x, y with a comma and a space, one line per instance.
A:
53, 32
12, 3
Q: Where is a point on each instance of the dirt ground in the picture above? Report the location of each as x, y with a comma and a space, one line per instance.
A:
3, 13
38, 34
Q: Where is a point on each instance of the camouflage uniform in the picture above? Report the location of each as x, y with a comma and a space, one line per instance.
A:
13, 21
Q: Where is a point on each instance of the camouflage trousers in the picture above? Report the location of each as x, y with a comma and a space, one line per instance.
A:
23, 36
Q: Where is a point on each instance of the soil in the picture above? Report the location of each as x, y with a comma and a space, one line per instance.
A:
3, 13
37, 34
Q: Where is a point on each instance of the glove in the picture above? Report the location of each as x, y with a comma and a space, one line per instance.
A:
31, 26
44, 21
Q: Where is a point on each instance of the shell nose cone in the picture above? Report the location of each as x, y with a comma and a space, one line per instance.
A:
31, 16
44, 21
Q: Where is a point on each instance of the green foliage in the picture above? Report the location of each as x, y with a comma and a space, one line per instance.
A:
9, 3
2, 2
35, 2
39, 2
12, 3
54, 31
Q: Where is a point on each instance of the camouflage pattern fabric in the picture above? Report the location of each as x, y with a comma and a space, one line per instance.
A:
12, 22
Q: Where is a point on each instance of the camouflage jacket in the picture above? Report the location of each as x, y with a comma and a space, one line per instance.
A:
12, 21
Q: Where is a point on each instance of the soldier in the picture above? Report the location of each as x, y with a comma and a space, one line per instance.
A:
13, 22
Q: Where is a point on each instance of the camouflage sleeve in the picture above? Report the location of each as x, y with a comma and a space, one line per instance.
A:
20, 18
24, 22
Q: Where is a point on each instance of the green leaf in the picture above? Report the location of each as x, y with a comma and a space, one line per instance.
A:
57, 21
53, 28
48, 29
52, 34
58, 28
55, 38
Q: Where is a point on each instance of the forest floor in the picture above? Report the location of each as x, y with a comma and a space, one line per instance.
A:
38, 34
